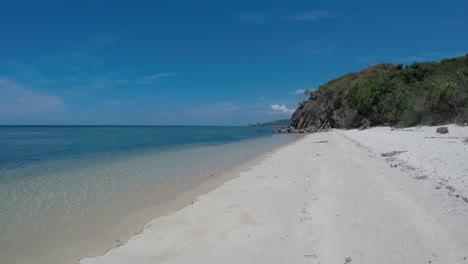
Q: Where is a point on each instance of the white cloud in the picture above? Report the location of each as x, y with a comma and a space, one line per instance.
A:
299, 91
155, 77
281, 109
159, 75
18, 100
120, 102
312, 15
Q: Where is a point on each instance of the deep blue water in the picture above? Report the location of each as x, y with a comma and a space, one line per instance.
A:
26, 145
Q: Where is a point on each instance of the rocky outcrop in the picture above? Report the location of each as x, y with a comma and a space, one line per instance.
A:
312, 114
293, 130
315, 115
442, 130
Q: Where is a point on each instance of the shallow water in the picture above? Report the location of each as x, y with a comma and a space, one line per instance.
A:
54, 177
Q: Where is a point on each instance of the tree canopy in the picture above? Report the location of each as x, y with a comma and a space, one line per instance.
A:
423, 93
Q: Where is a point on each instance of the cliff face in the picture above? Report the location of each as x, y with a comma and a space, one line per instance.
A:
315, 114
312, 115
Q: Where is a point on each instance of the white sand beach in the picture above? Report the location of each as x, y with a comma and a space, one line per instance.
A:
330, 197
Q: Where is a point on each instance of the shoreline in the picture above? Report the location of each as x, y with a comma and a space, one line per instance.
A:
305, 201
179, 195
93, 234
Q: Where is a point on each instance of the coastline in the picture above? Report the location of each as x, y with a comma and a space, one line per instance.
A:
177, 196
311, 200
92, 234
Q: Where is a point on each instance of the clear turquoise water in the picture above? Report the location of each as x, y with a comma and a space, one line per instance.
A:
51, 175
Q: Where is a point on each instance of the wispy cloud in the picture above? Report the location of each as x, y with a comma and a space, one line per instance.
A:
281, 109
155, 77
313, 15
74, 92
19, 100
299, 91
159, 75
26, 73
261, 18
120, 102
120, 81
94, 82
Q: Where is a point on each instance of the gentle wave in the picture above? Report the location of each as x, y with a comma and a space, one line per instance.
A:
52, 177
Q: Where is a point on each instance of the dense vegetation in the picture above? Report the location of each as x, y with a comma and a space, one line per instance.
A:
424, 93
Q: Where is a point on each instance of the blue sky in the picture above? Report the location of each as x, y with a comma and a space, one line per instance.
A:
202, 62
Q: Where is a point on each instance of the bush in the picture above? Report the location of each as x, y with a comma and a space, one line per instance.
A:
385, 94
352, 119
409, 118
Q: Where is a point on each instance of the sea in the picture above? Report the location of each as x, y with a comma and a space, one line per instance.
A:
65, 190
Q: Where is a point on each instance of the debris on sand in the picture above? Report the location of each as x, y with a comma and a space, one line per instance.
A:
442, 130
392, 153
450, 188
422, 177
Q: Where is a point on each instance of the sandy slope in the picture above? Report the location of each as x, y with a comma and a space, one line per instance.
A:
328, 198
